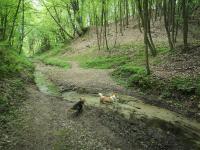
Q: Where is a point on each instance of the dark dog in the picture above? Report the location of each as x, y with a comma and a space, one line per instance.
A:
78, 107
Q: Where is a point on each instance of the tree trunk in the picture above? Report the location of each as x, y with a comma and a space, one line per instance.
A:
105, 23
22, 34
145, 21
185, 23
13, 23
166, 20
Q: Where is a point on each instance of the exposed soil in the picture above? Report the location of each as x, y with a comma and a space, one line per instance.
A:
93, 80
179, 63
45, 122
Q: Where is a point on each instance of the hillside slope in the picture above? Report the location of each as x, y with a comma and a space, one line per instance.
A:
174, 80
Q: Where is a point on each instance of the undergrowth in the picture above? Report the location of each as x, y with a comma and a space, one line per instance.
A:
52, 57
15, 72
129, 70
13, 64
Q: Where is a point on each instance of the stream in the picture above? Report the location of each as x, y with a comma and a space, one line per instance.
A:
130, 107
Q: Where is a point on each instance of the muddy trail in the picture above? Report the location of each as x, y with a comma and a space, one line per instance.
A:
47, 123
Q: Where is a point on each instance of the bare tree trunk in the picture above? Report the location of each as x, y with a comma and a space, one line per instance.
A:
13, 23
72, 22
145, 16
120, 16
127, 12
166, 20
116, 29
152, 47
140, 18
185, 23
105, 23
22, 34
97, 31
133, 9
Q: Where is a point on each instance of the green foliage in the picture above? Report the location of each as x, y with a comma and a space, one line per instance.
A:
106, 62
11, 63
139, 80
168, 88
186, 85
162, 49
52, 57
56, 62
15, 70
127, 70
133, 74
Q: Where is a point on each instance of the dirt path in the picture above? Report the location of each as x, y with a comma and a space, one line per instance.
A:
47, 124
44, 121
91, 80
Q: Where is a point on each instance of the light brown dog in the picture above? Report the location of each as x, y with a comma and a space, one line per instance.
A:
107, 99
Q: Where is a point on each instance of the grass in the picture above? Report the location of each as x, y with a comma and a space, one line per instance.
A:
128, 62
128, 54
104, 62
53, 57
13, 64
15, 71
56, 62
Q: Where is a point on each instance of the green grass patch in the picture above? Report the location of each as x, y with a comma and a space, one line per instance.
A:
56, 51
176, 87
13, 64
56, 62
127, 70
133, 74
53, 57
106, 62
186, 85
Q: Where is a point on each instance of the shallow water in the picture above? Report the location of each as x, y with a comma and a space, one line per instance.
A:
45, 85
127, 106
132, 105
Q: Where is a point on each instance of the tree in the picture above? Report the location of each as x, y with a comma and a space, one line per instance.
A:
22, 29
145, 23
185, 23
13, 23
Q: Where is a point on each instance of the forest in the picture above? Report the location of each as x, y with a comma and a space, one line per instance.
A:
100, 74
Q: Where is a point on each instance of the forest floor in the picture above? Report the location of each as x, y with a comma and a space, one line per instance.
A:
91, 80
45, 122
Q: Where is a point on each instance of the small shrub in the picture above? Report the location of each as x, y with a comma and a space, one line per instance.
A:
56, 62
106, 62
126, 71
11, 63
186, 86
